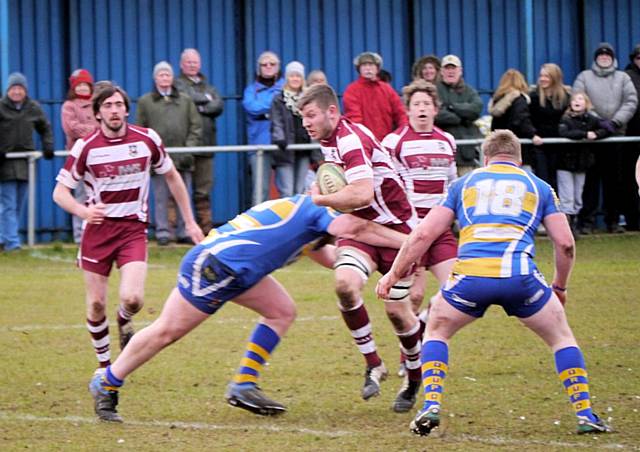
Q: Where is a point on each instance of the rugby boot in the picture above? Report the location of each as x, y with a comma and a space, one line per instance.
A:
372, 378
586, 425
125, 332
406, 398
402, 370
425, 421
105, 400
251, 398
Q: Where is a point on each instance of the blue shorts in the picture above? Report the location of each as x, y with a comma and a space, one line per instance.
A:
207, 283
520, 296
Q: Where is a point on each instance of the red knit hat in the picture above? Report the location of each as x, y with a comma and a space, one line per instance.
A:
80, 76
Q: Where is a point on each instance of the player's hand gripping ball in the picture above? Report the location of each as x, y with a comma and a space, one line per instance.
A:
330, 178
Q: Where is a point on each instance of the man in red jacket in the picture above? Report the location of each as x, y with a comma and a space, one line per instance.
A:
372, 102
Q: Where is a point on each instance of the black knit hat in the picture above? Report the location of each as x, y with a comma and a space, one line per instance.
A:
604, 48
634, 53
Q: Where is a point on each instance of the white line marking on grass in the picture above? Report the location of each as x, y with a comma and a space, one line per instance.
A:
175, 424
492, 440
82, 326
52, 258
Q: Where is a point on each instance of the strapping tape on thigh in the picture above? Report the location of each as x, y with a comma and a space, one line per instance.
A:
349, 258
400, 290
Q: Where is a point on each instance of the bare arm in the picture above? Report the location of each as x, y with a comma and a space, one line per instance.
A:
437, 221
351, 227
62, 196
564, 250
325, 256
355, 195
179, 192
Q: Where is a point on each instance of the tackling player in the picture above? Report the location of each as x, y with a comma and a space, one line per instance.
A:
115, 162
499, 208
234, 263
424, 157
377, 193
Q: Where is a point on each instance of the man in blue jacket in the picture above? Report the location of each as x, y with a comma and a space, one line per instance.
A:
256, 101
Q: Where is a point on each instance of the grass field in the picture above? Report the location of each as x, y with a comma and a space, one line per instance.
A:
501, 393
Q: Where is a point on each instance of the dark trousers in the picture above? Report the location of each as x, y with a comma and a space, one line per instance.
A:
545, 164
604, 176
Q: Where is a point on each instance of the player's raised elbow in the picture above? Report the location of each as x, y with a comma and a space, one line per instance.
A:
566, 247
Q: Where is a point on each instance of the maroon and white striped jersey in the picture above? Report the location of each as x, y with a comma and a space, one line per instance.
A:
117, 171
426, 163
356, 150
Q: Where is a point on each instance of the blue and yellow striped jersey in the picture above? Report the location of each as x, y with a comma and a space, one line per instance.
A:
499, 209
269, 235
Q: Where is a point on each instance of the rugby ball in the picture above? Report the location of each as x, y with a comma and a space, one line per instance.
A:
330, 178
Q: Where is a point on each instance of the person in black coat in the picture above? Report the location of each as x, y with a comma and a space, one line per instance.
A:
509, 109
20, 117
578, 123
286, 128
549, 101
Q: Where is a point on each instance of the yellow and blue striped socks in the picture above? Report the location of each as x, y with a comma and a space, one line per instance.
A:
573, 374
261, 344
435, 365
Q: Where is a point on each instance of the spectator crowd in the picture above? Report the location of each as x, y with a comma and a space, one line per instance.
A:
182, 109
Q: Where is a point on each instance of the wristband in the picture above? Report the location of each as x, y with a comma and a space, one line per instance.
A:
558, 288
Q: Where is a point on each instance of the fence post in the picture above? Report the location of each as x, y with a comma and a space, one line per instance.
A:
259, 175
31, 208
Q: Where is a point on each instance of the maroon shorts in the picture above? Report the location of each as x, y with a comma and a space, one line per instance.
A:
119, 241
383, 257
443, 248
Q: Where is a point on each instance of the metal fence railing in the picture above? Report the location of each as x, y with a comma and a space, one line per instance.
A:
33, 157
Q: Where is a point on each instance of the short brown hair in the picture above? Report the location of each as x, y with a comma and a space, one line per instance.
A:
322, 95
103, 91
420, 86
502, 142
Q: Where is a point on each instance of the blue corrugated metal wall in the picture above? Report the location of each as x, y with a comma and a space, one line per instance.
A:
122, 40
489, 36
556, 35
486, 34
614, 21
328, 34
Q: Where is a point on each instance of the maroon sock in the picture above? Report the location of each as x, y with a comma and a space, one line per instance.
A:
99, 332
357, 321
410, 345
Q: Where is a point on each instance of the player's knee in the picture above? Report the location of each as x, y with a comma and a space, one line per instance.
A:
437, 318
168, 335
347, 292
287, 313
132, 301
96, 307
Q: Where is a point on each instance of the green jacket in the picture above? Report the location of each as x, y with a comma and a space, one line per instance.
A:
460, 107
176, 119
208, 102
16, 135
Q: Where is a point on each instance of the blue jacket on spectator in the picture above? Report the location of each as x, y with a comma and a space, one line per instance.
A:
256, 101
